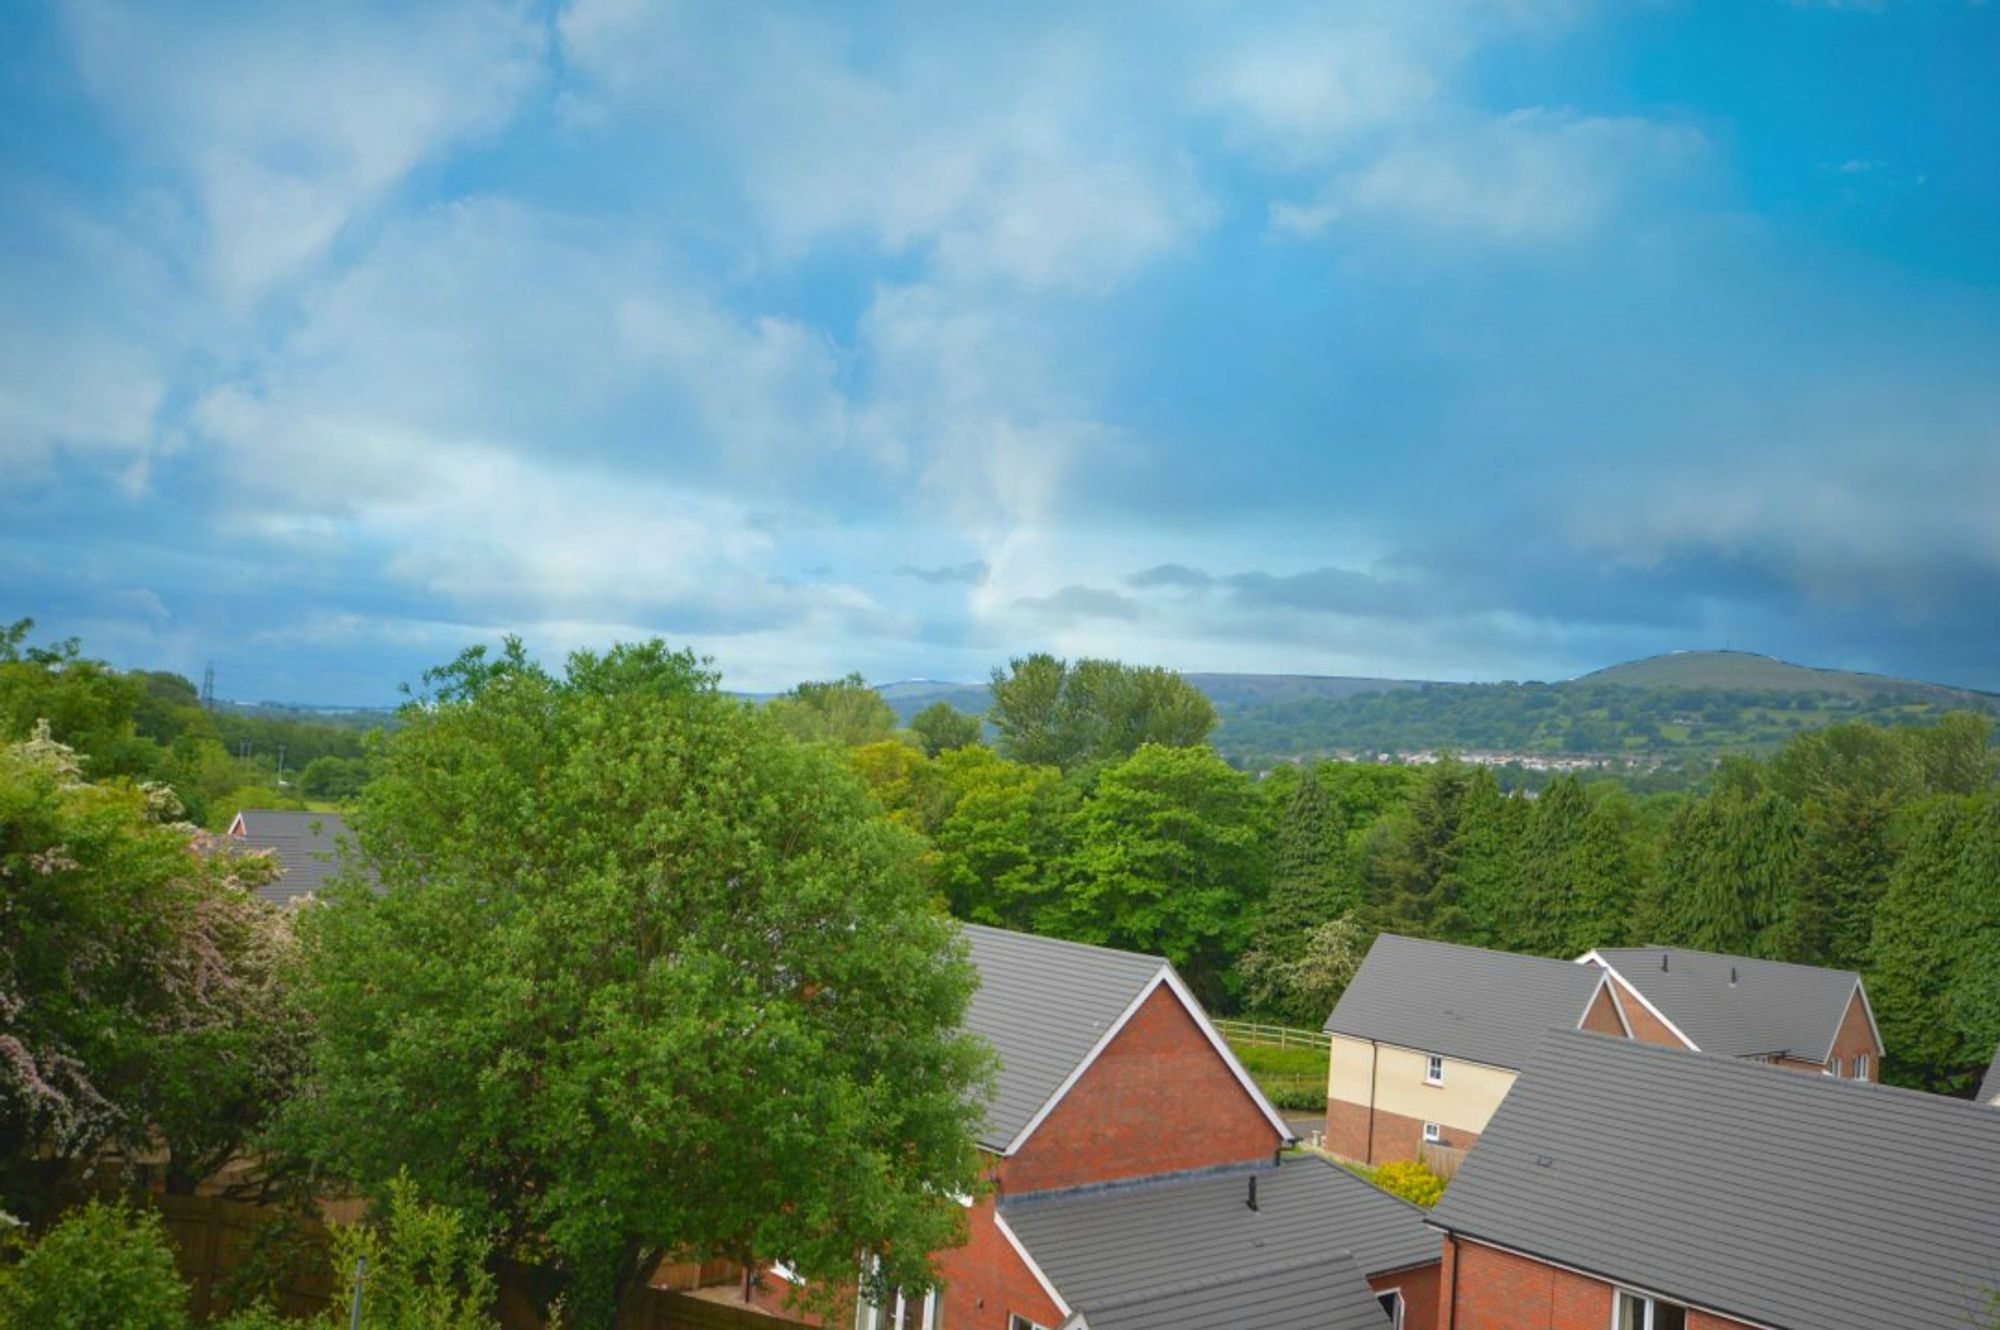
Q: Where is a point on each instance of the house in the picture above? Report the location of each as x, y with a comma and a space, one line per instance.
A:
1637, 1186
1121, 1145
1798, 1016
306, 846
1989, 1089
1428, 1037
1304, 1244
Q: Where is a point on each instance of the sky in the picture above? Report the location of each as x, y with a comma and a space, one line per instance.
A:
1469, 339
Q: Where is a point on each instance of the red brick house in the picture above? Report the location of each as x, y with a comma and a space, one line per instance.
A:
1642, 1187
1136, 1178
1802, 1017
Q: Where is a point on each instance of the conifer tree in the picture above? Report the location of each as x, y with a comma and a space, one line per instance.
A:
1422, 890
1929, 936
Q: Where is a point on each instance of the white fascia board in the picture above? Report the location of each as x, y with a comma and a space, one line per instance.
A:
1021, 1250
1228, 1056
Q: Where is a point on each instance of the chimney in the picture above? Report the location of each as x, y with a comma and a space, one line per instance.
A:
1663, 962
1732, 976
1253, 1191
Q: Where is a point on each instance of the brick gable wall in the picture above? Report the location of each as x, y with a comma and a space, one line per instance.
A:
1159, 1099
1484, 1288
1602, 1017
1646, 1027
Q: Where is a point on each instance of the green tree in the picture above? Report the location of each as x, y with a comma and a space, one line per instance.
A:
1936, 934
1313, 881
842, 711
942, 727
997, 852
331, 777
1305, 984
141, 1004
424, 1267
103, 1266
1418, 887
1051, 712
1165, 857
643, 975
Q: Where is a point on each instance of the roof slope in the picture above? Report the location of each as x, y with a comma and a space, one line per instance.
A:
306, 846
1793, 1201
1103, 1246
1739, 1006
1466, 1002
1321, 1292
1989, 1089
1044, 1004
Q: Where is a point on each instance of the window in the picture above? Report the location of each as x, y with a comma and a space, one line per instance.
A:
1023, 1323
1392, 1304
1833, 1066
1434, 1071
1433, 1133
1860, 1066
1636, 1311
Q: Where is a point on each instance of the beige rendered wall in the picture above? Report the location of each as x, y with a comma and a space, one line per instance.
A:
1466, 1100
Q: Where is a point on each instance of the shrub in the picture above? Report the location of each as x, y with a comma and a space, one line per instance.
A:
1412, 1180
103, 1265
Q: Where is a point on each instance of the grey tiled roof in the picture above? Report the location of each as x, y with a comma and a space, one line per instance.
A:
1771, 1007
1322, 1292
1465, 1002
306, 846
1795, 1201
1191, 1252
1989, 1089
1043, 1004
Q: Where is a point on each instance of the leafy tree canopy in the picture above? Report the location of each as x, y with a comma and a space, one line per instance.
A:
140, 998
841, 711
644, 976
1052, 712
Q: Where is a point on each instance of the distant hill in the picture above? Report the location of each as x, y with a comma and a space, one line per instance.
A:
1747, 671
1685, 705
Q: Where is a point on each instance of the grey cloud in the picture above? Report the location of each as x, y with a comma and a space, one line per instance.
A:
1171, 575
974, 573
1085, 602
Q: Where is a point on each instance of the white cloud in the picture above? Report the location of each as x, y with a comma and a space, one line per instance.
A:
997, 158
291, 122
1527, 176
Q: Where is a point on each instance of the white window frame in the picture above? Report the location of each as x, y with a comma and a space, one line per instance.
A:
1833, 1067
1434, 1070
1433, 1133
1396, 1315
1861, 1066
1651, 1303
1016, 1321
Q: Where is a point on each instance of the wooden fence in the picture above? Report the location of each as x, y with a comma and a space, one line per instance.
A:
1278, 1036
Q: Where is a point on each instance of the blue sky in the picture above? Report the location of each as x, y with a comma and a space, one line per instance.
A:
1473, 339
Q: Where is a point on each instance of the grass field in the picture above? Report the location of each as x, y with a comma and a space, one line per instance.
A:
1293, 1078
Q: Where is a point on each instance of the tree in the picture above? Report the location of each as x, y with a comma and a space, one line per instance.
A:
1419, 888
425, 1267
103, 1265
997, 851
333, 777
1165, 857
643, 975
1054, 713
1313, 882
943, 727
1936, 935
141, 1003
842, 711
1307, 983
